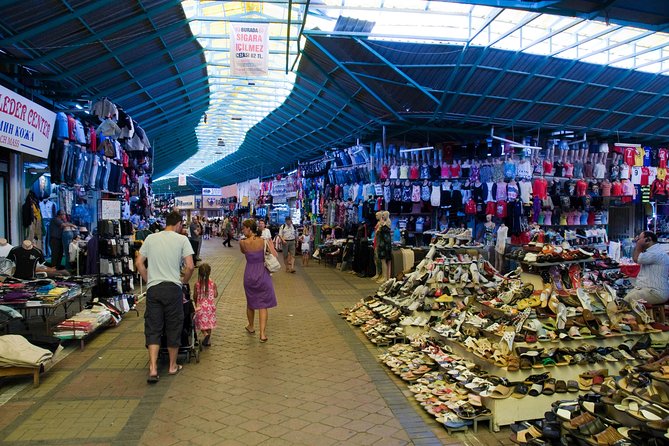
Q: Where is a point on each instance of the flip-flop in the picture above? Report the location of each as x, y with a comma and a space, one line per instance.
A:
264, 339
152, 379
249, 331
179, 367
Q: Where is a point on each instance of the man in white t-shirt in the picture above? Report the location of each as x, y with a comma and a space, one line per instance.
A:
651, 284
288, 234
165, 251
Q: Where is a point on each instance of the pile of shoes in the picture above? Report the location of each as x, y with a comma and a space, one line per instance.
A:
629, 409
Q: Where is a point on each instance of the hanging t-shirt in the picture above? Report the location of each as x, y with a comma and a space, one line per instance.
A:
624, 172
501, 209
639, 154
512, 191
524, 170
616, 189
548, 167
628, 188
404, 172
645, 174
662, 155
606, 188
413, 172
647, 156
509, 170
661, 173
435, 196
652, 174
588, 170
568, 170
501, 190
628, 155
525, 191
415, 193
539, 187
393, 174
581, 188
455, 171
558, 169
445, 171
599, 171
636, 175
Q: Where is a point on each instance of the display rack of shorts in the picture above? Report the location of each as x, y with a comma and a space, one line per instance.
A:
116, 281
480, 337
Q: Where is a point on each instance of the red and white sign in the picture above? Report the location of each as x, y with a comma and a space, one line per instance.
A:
249, 49
25, 126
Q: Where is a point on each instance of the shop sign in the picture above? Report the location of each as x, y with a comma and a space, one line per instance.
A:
211, 201
25, 126
249, 49
187, 202
214, 191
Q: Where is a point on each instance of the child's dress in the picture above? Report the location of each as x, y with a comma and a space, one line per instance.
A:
205, 317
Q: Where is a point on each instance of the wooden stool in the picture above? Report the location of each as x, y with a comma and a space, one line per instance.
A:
479, 419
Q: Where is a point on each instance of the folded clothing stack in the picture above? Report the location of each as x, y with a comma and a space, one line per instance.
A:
16, 351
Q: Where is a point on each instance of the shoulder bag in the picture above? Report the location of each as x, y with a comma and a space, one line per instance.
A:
271, 262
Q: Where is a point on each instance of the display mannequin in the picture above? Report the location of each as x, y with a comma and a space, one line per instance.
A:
489, 236
48, 210
5, 247
384, 246
500, 246
25, 257
377, 261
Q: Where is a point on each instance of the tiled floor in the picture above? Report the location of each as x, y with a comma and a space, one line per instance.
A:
316, 382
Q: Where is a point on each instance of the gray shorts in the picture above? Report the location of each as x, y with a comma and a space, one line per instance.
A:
164, 313
289, 248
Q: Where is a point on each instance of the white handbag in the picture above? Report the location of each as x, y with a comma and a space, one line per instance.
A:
271, 262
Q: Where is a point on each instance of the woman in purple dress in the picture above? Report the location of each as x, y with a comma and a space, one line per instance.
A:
257, 281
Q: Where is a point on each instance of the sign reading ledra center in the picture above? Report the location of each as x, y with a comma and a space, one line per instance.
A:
24, 126
249, 49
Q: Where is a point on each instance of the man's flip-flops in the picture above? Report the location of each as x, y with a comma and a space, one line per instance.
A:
152, 379
179, 367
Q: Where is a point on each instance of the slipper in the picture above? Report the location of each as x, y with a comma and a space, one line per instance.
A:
264, 339
249, 331
179, 367
152, 379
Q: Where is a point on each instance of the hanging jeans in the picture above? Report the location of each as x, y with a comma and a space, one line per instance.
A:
46, 232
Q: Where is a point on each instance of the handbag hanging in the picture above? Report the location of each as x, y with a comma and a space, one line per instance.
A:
271, 262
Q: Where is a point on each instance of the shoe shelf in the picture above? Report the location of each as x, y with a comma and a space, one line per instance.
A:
513, 410
549, 264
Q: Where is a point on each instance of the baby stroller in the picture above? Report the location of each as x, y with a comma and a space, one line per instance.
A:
190, 346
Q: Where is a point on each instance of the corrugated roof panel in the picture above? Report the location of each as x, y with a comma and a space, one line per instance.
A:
562, 116
633, 124
558, 92
532, 88
611, 122
555, 67
610, 99
658, 85
479, 82
655, 126
633, 80
585, 96
634, 102
511, 110
487, 107
536, 113
462, 106
586, 119
507, 83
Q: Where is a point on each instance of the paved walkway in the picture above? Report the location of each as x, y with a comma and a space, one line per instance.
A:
316, 382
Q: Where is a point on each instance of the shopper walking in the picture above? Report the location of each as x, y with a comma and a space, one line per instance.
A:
196, 236
288, 234
258, 284
227, 229
165, 252
265, 233
205, 303
58, 224
305, 240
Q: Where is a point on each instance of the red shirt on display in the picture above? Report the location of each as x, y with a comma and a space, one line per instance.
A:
662, 154
581, 188
413, 172
501, 209
539, 187
628, 155
616, 189
490, 208
548, 167
645, 173
455, 171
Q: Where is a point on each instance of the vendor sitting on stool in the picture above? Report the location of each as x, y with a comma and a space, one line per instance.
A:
25, 257
652, 284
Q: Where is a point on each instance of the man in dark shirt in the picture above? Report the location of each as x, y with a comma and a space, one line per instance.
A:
25, 257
